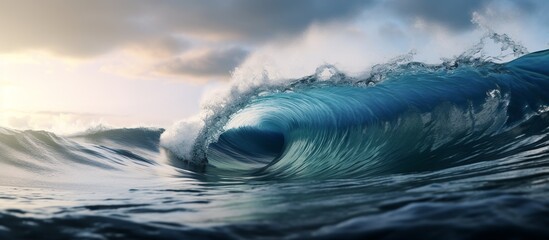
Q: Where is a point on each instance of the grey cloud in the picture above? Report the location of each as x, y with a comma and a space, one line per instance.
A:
68, 27
211, 63
259, 20
87, 28
165, 28
162, 46
454, 14
390, 31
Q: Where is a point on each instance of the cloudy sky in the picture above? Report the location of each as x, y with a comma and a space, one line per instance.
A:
70, 64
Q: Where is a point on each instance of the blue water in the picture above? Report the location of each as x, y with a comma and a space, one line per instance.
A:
452, 151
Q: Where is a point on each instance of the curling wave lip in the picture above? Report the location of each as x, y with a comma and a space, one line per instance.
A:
418, 118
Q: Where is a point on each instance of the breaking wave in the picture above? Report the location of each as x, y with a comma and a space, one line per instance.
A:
402, 117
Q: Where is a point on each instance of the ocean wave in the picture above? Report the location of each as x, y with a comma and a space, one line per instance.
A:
460, 149
30, 155
403, 116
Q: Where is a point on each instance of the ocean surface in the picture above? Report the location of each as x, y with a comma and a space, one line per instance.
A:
458, 150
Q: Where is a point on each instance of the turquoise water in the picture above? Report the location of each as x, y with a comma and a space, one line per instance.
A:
456, 150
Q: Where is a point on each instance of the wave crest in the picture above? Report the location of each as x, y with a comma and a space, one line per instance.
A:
331, 123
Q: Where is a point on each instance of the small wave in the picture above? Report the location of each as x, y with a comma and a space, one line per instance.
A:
27, 154
139, 137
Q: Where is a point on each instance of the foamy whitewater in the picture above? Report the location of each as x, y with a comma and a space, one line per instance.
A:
458, 150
